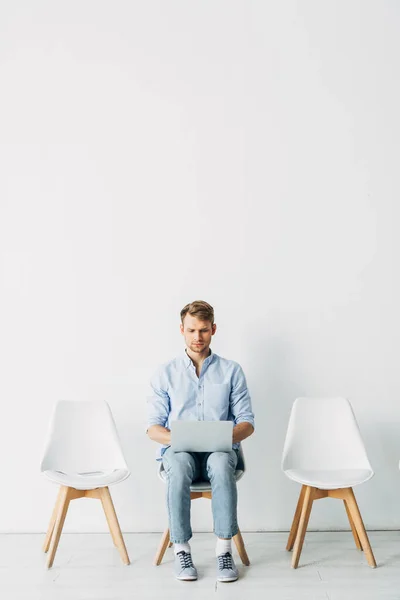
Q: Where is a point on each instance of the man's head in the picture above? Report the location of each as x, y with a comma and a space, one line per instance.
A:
198, 326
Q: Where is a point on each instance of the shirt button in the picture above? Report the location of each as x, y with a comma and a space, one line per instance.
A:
199, 404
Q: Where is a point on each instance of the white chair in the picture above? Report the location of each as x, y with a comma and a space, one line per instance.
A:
83, 454
202, 489
325, 453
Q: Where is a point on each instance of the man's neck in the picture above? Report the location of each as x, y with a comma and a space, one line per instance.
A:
198, 357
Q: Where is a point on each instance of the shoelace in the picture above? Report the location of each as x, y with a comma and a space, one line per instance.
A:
185, 558
225, 561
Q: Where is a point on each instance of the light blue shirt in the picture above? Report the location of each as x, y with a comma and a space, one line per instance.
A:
219, 394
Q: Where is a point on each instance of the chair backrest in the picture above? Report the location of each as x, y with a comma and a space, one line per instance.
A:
241, 464
82, 438
323, 434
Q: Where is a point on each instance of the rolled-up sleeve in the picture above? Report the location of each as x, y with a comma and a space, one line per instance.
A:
158, 403
240, 400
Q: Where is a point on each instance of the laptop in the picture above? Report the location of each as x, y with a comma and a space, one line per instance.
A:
201, 436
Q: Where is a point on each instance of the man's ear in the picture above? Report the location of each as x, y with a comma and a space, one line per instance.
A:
214, 329
181, 328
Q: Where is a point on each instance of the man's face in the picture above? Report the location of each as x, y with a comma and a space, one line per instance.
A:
197, 333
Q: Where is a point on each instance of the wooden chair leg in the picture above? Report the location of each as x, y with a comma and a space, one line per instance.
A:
112, 521
302, 528
63, 504
105, 507
46, 543
296, 519
353, 529
165, 542
359, 525
170, 544
241, 548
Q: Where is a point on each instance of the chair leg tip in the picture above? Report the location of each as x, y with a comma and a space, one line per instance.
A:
156, 562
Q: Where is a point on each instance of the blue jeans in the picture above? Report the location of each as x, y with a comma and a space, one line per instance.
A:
183, 468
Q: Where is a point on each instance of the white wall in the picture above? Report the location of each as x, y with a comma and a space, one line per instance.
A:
153, 153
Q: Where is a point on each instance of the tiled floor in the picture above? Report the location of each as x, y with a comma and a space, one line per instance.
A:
87, 566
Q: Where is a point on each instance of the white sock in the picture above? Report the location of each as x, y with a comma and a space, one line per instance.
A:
179, 547
223, 546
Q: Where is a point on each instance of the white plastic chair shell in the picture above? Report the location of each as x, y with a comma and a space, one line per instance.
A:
83, 450
323, 446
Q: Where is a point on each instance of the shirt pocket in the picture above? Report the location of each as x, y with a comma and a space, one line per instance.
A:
217, 400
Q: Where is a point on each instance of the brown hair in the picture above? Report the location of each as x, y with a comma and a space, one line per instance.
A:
200, 309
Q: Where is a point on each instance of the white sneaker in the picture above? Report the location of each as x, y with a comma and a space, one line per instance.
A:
183, 567
226, 568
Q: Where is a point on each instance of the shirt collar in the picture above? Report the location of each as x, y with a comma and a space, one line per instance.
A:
188, 361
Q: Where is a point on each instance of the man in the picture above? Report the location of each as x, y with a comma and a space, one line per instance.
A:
200, 385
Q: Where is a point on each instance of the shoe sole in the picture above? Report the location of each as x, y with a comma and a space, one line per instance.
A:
186, 578
228, 579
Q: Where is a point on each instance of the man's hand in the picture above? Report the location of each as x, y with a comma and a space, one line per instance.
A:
242, 431
159, 434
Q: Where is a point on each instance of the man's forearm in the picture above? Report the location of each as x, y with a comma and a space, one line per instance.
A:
242, 431
159, 434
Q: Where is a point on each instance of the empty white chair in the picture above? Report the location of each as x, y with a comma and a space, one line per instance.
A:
202, 489
83, 454
325, 453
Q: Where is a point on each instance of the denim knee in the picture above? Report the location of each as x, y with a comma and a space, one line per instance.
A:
180, 465
221, 464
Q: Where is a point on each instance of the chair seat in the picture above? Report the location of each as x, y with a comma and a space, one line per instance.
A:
330, 479
88, 481
199, 486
